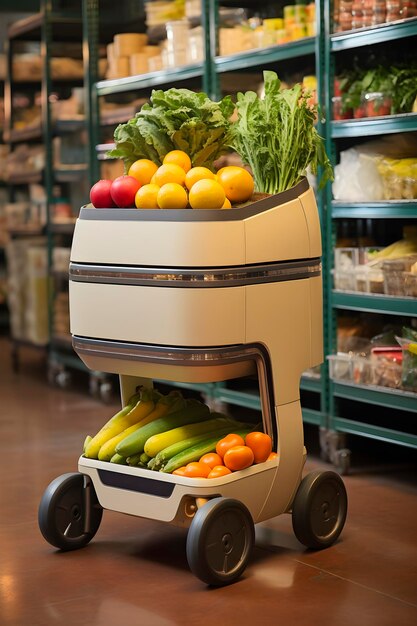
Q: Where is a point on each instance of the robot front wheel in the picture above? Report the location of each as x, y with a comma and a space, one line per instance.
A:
319, 509
69, 513
220, 541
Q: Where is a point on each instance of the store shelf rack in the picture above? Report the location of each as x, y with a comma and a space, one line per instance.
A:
403, 404
47, 28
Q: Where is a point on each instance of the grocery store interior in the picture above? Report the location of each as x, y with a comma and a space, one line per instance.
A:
266, 354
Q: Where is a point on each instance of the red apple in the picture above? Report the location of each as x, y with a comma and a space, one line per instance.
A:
100, 195
123, 191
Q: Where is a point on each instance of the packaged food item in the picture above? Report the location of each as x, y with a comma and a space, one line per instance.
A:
408, 343
377, 103
386, 366
395, 271
338, 112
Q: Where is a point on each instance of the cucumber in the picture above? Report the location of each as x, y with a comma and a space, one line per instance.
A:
196, 452
117, 458
135, 442
159, 442
167, 453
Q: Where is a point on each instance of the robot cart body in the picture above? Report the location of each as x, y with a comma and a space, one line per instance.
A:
206, 296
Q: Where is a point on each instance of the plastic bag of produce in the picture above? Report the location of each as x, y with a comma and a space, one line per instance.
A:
408, 343
356, 178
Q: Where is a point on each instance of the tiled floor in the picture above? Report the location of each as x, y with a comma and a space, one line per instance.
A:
135, 571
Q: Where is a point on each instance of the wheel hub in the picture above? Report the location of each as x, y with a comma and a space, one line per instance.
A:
227, 541
75, 512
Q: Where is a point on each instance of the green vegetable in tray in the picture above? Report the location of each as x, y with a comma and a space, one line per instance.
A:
276, 137
176, 119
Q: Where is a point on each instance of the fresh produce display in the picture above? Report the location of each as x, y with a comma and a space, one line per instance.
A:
275, 135
177, 436
382, 90
176, 119
170, 146
142, 408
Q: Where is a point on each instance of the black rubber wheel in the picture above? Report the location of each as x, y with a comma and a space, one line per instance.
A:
69, 513
319, 509
220, 541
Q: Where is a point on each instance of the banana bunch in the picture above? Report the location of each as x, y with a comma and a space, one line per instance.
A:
144, 407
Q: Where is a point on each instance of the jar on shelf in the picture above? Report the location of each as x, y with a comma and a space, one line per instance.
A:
357, 14
377, 103
338, 112
393, 10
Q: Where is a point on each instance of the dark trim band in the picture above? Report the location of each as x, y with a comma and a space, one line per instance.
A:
197, 278
201, 215
136, 483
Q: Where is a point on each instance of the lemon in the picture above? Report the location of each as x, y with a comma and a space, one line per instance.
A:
207, 194
172, 196
143, 170
226, 204
169, 173
195, 174
178, 157
146, 197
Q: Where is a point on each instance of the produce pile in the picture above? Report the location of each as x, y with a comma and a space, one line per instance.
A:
169, 149
170, 434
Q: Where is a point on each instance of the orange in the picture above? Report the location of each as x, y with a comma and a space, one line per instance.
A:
169, 173
238, 458
226, 204
172, 196
206, 194
228, 442
197, 470
180, 471
197, 173
146, 197
219, 470
260, 444
178, 157
143, 170
211, 459
272, 456
237, 183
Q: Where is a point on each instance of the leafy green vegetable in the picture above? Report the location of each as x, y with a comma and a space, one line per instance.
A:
176, 119
276, 137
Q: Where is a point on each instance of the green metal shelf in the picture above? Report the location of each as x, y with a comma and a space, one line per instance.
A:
30, 28
380, 396
152, 79
310, 383
26, 178
373, 35
372, 431
69, 175
62, 228
393, 209
24, 134
262, 56
374, 303
403, 122
311, 416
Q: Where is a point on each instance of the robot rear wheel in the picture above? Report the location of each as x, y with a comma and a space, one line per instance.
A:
319, 509
220, 541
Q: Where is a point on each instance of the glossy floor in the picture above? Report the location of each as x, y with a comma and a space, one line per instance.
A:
135, 571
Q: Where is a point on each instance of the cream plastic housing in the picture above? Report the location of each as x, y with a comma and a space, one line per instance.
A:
197, 282
286, 230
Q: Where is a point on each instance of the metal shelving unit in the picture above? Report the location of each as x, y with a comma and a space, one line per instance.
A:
343, 421
47, 28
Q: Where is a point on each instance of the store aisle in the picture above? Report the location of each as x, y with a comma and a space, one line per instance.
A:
135, 571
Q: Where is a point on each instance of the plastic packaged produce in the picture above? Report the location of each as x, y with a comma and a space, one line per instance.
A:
408, 343
356, 177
